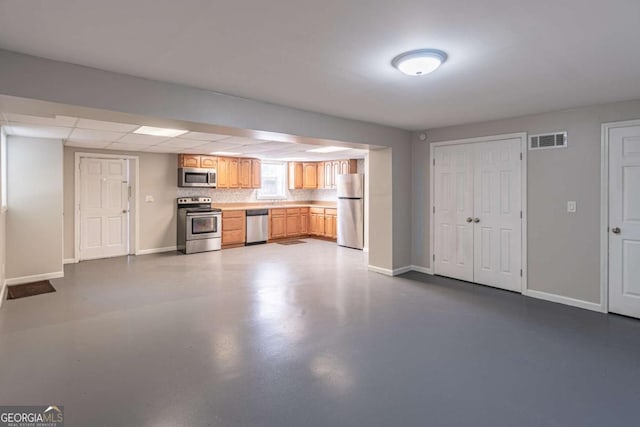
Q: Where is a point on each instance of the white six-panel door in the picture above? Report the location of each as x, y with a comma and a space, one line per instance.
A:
104, 201
477, 212
453, 193
497, 219
624, 221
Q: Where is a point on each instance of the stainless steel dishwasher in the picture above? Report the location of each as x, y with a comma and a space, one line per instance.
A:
257, 226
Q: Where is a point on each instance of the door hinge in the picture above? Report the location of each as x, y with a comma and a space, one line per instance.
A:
434, 162
434, 209
520, 272
520, 156
520, 214
434, 257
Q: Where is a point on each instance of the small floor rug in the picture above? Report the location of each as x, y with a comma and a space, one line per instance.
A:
291, 242
30, 289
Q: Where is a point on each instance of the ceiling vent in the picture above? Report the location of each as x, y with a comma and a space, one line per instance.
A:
548, 140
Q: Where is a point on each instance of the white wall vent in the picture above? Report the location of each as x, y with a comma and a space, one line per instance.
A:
548, 140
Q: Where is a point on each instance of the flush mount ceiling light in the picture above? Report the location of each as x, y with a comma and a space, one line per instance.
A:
150, 130
419, 62
327, 149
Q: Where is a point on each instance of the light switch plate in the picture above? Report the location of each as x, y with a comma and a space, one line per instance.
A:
571, 206
149, 199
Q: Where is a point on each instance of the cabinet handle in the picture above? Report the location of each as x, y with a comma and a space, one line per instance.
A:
476, 220
469, 219
616, 230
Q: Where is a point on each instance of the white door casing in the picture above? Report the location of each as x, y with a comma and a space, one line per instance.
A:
624, 221
453, 208
104, 208
497, 218
479, 182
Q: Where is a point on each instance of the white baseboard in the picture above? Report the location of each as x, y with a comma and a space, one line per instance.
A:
389, 272
564, 300
156, 250
420, 269
365, 250
401, 270
385, 271
34, 278
69, 261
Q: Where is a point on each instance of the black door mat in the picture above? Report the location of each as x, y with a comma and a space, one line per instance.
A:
291, 242
30, 289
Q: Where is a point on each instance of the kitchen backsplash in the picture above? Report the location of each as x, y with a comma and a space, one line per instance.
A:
248, 195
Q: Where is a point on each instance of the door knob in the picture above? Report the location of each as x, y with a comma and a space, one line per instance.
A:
476, 220
615, 230
469, 219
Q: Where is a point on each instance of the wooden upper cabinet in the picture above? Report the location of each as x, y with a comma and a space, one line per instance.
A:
245, 173
310, 175
348, 166
234, 173
335, 171
208, 162
223, 172
256, 173
189, 161
328, 175
320, 174
295, 175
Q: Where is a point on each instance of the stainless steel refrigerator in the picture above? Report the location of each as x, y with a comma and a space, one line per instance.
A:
351, 210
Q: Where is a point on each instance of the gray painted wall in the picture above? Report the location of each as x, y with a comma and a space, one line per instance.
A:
157, 179
65, 83
563, 248
34, 217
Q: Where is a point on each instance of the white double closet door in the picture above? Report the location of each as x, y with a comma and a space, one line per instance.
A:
477, 213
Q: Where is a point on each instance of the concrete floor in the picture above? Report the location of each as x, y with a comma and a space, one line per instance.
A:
304, 335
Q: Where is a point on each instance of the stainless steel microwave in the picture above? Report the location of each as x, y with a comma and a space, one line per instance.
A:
195, 177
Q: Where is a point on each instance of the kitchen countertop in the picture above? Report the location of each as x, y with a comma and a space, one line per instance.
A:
270, 205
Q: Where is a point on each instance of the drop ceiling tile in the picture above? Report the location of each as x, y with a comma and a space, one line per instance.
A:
182, 143
201, 136
96, 135
162, 149
211, 147
106, 126
62, 121
242, 141
134, 138
125, 147
87, 144
34, 131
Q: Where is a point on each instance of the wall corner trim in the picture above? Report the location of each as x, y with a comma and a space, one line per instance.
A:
35, 278
156, 250
565, 300
419, 269
388, 271
3, 292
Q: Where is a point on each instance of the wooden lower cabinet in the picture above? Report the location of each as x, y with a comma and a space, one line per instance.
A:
316, 221
331, 223
233, 228
293, 222
304, 221
277, 223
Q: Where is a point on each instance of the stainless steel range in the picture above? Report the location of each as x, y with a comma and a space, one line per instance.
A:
199, 225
